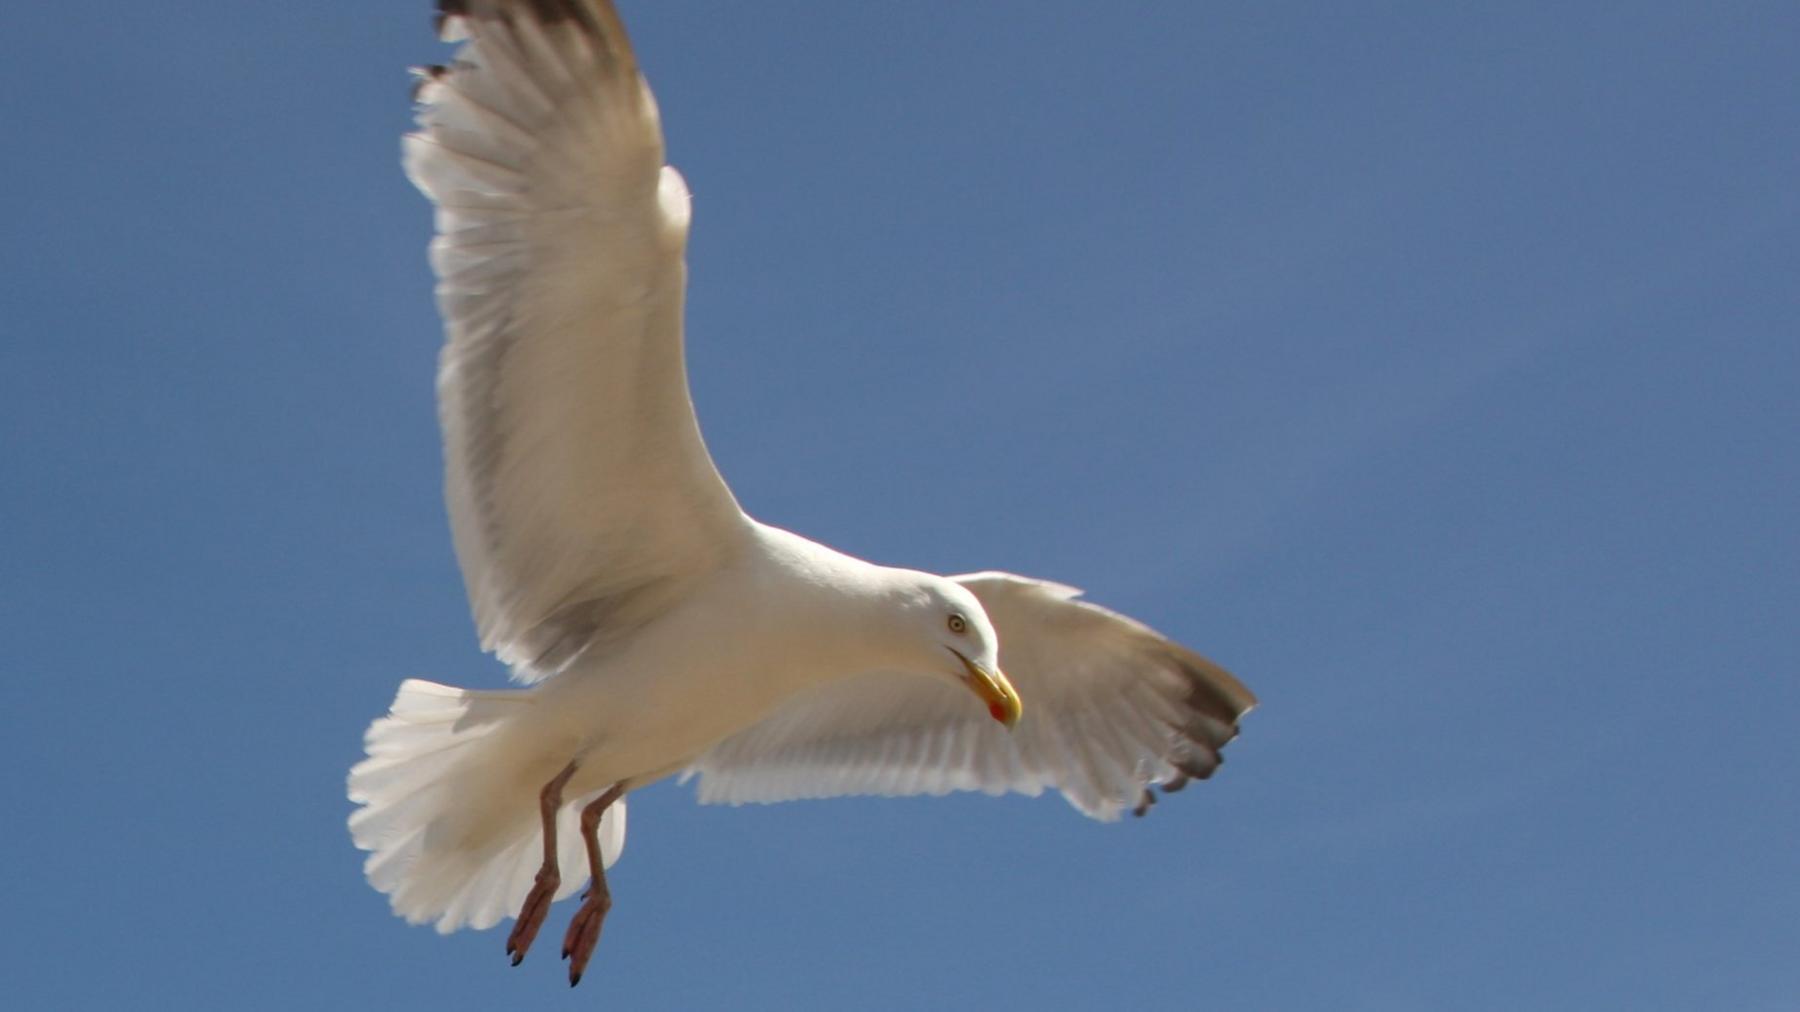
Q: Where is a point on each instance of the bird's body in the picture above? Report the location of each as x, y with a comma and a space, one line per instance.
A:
776, 619
769, 625
658, 628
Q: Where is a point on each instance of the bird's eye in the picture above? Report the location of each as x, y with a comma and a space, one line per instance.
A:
958, 624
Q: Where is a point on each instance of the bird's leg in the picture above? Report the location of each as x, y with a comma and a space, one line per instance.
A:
584, 929
537, 902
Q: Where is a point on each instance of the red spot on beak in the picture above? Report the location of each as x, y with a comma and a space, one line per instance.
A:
998, 712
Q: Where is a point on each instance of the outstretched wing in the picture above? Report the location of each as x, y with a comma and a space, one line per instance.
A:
581, 497
1111, 708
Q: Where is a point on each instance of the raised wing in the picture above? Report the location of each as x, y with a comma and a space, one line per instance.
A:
1111, 708
581, 497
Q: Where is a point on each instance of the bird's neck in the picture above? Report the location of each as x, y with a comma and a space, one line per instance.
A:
847, 614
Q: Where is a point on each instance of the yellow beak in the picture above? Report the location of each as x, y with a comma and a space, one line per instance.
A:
1002, 699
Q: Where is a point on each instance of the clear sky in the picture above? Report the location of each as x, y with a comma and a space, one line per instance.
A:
1434, 368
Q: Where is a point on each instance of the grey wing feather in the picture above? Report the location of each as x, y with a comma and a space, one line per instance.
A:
1112, 708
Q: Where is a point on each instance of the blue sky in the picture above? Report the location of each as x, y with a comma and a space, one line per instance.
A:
1433, 368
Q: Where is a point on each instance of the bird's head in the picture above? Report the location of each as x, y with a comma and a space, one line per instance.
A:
951, 637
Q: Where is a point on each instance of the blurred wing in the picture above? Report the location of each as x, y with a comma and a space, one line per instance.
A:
581, 497
1111, 708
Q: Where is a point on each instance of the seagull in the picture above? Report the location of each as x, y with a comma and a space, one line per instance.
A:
657, 629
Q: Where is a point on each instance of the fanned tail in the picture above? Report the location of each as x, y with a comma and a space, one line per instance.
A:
448, 807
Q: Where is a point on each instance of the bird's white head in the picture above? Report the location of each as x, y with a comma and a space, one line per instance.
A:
949, 635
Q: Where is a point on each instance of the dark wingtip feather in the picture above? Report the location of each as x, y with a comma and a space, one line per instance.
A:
447, 9
426, 75
1214, 702
1212, 690
595, 18
1145, 800
549, 12
1198, 766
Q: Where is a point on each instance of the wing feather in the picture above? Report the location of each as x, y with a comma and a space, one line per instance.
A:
582, 500
1111, 708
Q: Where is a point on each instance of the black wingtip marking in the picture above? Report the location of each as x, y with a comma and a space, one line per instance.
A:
549, 12
1206, 697
1198, 767
447, 9
426, 75
597, 19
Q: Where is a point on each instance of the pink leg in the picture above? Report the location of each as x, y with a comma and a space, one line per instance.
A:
537, 902
584, 929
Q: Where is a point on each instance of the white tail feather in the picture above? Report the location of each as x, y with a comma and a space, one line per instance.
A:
448, 808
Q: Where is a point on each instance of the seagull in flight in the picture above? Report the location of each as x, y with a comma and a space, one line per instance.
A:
657, 629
